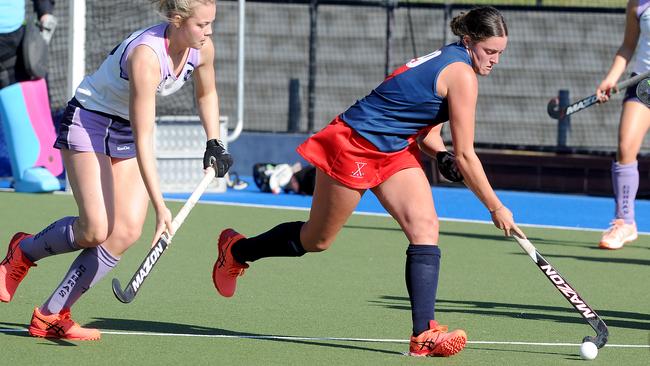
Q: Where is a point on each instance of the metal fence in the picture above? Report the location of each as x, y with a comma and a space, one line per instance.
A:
307, 61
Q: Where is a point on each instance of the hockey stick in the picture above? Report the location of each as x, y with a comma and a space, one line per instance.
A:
569, 293
553, 107
643, 91
157, 250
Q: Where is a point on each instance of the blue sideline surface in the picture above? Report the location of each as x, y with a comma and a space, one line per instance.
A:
532, 208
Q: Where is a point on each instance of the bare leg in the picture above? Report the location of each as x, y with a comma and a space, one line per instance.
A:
635, 121
131, 201
332, 205
128, 214
407, 197
91, 180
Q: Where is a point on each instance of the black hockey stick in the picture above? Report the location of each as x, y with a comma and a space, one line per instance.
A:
553, 107
569, 293
157, 250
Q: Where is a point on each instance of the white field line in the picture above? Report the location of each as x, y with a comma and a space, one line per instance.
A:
366, 213
337, 339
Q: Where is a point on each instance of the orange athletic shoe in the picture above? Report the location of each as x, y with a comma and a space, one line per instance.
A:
60, 326
13, 268
226, 268
437, 341
618, 234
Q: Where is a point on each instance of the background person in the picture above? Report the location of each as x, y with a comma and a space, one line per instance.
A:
12, 31
634, 124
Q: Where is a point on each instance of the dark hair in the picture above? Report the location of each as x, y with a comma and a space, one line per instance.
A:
479, 24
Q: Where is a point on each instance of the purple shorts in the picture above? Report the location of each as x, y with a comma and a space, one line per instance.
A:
84, 130
630, 92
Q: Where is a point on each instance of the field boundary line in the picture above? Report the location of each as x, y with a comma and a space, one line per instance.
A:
368, 213
334, 339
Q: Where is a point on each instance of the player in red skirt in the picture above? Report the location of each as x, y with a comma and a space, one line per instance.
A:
375, 145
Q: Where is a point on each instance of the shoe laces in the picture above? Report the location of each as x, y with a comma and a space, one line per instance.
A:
18, 271
65, 319
616, 229
58, 324
225, 259
233, 268
10, 256
235, 271
18, 266
432, 335
440, 328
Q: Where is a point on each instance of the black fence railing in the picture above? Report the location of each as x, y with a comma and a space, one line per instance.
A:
308, 60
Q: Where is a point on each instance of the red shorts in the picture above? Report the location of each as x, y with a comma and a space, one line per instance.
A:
344, 155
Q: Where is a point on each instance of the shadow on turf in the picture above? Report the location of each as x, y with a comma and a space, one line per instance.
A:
524, 311
586, 244
131, 325
60, 342
478, 347
589, 245
635, 261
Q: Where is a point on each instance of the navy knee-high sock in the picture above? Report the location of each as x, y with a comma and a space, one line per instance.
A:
422, 268
281, 241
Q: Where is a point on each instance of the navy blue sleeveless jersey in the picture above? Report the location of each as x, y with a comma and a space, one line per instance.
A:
405, 102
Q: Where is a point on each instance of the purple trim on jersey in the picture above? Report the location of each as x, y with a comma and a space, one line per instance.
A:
154, 37
406, 102
643, 6
127, 51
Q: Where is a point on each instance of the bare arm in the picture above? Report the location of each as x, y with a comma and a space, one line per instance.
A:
459, 84
206, 91
624, 53
431, 142
144, 76
208, 103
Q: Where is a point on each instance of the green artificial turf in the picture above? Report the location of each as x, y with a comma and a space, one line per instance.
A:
285, 309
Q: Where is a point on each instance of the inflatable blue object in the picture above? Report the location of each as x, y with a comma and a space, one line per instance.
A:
29, 136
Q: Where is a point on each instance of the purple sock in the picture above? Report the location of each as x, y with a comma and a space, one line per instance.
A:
625, 181
55, 239
89, 267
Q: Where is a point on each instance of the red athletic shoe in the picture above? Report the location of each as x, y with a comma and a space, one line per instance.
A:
13, 268
60, 326
437, 341
226, 268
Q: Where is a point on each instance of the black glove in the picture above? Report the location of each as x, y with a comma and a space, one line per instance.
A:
447, 166
217, 157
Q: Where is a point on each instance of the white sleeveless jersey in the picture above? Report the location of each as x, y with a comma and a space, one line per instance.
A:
642, 63
107, 90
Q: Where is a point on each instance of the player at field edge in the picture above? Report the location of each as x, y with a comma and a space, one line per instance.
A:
633, 126
106, 139
376, 145
12, 32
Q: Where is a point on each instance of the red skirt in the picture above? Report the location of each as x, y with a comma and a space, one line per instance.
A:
346, 156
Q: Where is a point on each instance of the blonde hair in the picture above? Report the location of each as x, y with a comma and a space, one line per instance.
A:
183, 8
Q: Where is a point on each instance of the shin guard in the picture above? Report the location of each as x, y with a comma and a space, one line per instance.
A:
29, 135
